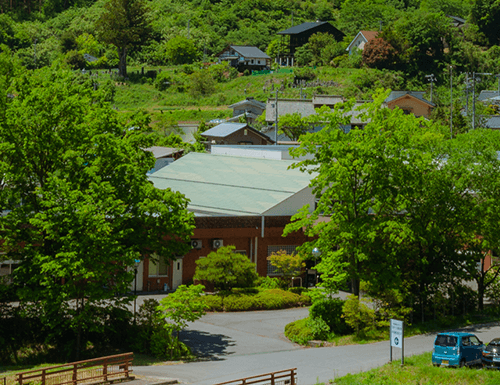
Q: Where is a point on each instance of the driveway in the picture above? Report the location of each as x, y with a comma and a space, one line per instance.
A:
238, 345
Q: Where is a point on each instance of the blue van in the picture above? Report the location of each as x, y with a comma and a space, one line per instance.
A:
457, 349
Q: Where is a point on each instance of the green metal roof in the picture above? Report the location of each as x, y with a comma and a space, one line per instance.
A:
231, 185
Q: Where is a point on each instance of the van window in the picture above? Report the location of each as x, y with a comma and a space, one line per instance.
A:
444, 340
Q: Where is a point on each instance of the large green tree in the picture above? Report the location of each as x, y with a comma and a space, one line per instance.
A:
79, 206
363, 187
124, 24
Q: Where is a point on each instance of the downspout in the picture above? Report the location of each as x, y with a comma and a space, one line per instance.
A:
262, 228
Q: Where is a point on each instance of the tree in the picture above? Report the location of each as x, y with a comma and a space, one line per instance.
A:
225, 270
80, 207
289, 265
183, 306
293, 125
486, 15
124, 24
359, 183
180, 50
378, 53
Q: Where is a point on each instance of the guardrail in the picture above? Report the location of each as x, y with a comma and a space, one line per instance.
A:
283, 377
95, 371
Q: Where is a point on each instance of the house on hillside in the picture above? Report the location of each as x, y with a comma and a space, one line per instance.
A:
296, 36
489, 97
249, 109
235, 133
307, 107
411, 102
236, 200
360, 40
245, 57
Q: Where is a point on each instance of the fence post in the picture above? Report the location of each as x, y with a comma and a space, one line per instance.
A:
43, 376
272, 378
20, 380
75, 374
105, 371
292, 377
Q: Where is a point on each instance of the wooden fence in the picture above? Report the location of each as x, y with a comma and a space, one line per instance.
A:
283, 377
95, 371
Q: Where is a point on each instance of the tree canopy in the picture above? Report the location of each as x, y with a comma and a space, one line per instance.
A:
79, 206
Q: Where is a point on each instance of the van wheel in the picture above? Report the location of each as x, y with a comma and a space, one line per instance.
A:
462, 363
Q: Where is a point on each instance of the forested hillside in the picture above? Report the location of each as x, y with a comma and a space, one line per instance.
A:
417, 31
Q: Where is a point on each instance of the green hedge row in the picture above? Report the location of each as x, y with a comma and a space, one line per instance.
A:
271, 299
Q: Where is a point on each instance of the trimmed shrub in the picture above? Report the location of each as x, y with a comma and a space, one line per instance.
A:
299, 331
330, 311
271, 299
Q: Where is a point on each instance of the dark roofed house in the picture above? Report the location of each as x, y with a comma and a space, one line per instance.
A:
245, 57
300, 34
236, 133
249, 108
488, 97
411, 102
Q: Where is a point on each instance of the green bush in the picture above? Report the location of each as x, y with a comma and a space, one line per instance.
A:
299, 331
269, 283
319, 328
330, 311
298, 290
270, 299
162, 81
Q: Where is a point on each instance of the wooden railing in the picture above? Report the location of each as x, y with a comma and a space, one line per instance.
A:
95, 371
284, 377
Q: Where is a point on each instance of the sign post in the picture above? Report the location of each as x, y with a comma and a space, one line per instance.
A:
397, 338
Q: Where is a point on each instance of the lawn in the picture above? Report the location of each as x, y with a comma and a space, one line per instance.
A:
419, 370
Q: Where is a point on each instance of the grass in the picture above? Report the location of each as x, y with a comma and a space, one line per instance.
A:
419, 370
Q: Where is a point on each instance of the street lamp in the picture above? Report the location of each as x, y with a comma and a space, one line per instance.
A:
316, 254
137, 262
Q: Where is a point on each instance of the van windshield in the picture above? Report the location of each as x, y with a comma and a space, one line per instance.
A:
444, 340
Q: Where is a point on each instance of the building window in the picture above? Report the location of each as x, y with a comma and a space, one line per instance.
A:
158, 267
245, 132
289, 249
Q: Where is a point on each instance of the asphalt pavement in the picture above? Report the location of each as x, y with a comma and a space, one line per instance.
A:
243, 344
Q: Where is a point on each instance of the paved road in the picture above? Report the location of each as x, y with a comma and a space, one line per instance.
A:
240, 345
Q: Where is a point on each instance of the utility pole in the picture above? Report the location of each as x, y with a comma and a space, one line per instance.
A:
431, 79
451, 102
276, 119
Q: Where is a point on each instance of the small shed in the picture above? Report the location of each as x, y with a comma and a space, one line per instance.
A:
236, 133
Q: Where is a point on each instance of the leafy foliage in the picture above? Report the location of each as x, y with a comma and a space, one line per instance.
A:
288, 265
225, 269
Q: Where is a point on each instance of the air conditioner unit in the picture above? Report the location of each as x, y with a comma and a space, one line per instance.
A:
196, 243
217, 243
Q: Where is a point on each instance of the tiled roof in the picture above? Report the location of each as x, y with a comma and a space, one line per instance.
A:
485, 95
250, 101
416, 94
225, 129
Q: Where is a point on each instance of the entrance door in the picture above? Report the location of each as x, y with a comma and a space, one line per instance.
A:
177, 273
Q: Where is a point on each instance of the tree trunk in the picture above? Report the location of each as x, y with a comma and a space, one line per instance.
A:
355, 286
122, 66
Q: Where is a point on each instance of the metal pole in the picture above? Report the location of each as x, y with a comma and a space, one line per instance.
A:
467, 94
451, 102
473, 100
276, 120
135, 292
403, 344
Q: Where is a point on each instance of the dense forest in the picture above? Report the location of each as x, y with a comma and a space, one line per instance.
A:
417, 36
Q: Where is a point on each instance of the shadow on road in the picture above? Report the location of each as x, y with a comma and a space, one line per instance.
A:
206, 345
